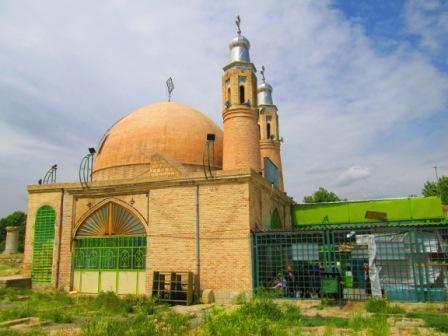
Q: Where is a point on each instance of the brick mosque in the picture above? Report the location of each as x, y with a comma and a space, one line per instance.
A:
166, 190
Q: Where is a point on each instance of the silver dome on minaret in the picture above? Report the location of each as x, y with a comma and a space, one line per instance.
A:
239, 46
264, 91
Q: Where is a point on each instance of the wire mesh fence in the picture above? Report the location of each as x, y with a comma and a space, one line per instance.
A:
397, 263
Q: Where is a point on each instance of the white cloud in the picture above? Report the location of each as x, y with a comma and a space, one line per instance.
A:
429, 20
352, 175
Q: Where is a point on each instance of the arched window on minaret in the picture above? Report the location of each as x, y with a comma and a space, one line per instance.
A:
228, 94
268, 130
242, 98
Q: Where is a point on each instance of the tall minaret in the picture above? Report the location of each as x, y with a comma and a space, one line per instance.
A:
269, 131
241, 147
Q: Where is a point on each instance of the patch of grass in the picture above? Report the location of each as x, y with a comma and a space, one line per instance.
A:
19, 311
167, 323
329, 330
291, 314
170, 322
376, 324
241, 298
268, 293
261, 308
109, 301
8, 266
35, 332
32, 332
104, 327
379, 326
395, 309
142, 326
140, 304
12, 293
11, 256
382, 306
432, 320
224, 324
359, 322
259, 316
436, 308
376, 305
8, 332
56, 315
52, 297
320, 321
326, 302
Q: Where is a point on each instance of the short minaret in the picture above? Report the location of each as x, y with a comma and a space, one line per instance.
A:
269, 130
241, 148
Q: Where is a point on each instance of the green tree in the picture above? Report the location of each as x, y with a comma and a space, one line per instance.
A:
322, 195
17, 218
432, 189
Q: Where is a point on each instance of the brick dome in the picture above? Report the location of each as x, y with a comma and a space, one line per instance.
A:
173, 131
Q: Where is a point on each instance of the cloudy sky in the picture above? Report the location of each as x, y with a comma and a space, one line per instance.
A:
361, 86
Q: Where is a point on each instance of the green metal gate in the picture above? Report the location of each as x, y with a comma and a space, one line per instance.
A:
110, 252
110, 264
43, 245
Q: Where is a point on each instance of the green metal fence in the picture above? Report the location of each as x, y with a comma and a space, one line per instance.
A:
43, 245
110, 253
398, 263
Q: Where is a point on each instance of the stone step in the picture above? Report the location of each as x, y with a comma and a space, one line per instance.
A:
16, 281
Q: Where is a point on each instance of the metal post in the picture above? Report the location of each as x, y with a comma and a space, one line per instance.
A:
198, 252
254, 261
438, 181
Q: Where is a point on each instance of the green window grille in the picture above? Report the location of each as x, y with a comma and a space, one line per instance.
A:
110, 253
43, 244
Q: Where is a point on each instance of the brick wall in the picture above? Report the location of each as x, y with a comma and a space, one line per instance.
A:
225, 237
51, 198
229, 207
263, 200
65, 254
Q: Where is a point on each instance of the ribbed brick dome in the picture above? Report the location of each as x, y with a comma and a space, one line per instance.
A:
169, 129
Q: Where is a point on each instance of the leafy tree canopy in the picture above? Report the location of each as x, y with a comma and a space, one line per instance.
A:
322, 195
17, 218
431, 188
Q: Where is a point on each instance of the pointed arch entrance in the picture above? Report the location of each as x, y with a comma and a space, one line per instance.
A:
110, 252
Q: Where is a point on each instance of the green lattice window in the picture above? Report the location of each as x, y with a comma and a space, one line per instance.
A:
110, 253
43, 244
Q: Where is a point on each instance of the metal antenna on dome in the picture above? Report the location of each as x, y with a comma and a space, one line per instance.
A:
170, 87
